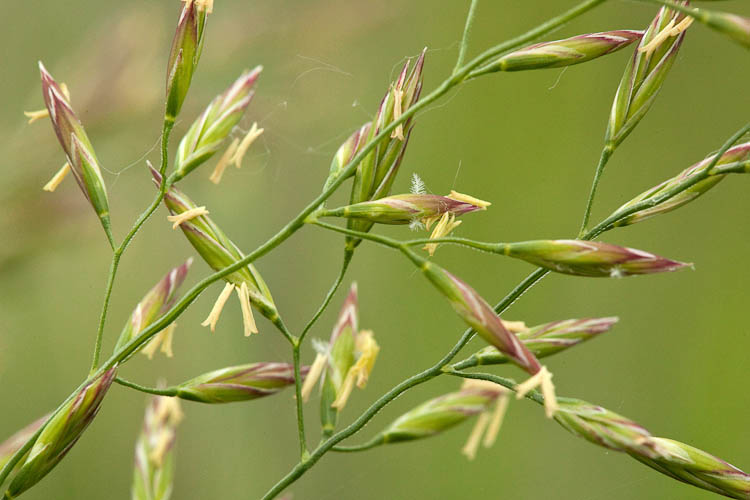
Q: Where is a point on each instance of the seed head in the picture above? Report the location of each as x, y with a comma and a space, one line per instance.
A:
550, 338
375, 174
587, 258
207, 134
154, 450
442, 413
407, 208
646, 73
77, 147
187, 46
10, 446
217, 250
239, 383
567, 52
738, 153
154, 304
60, 434
479, 315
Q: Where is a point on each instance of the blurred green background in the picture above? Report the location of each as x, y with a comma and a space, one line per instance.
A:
528, 142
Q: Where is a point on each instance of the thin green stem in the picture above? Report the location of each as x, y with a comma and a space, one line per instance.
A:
105, 307
372, 443
299, 403
166, 131
329, 295
603, 159
508, 383
464, 45
698, 14
167, 391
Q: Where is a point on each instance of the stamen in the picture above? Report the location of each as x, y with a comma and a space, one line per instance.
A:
57, 178
44, 113
496, 421
398, 132
166, 340
542, 378
469, 199
345, 391
213, 316
36, 115
515, 326
160, 448
656, 42
253, 134
369, 350
224, 161
169, 408
472, 444
313, 375
682, 26
447, 224
186, 216
248, 320
207, 5
163, 339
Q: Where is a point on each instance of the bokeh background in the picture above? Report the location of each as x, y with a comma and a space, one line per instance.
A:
677, 362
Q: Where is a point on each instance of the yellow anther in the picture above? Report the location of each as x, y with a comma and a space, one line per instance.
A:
186, 216
36, 115
465, 198
682, 26
472, 444
247, 141
496, 420
447, 224
658, 39
207, 5
248, 321
57, 178
398, 132
542, 379
44, 113
163, 339
213, 316
224, 161
515, 326
359, 373
161, 446
313, 375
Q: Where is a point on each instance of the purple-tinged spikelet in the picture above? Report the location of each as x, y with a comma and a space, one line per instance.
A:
239, 383
440, 414
77, 147
207, 134
405, 208
695, 467
478, 314
154, 304
588, 258
377, 171
646, 73
738, 153
550, 338
187, 45
567, 52
61, 433
217, 250
672, 458
10, 446
154, 450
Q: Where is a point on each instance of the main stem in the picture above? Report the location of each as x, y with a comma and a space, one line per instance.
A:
117, 253
603, 159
